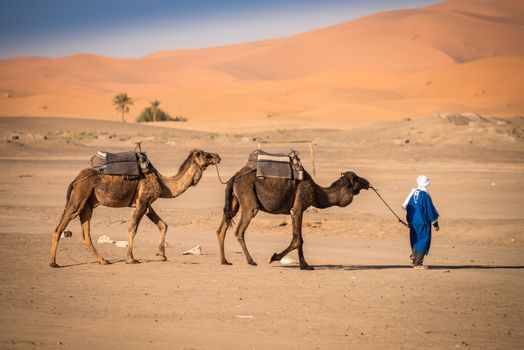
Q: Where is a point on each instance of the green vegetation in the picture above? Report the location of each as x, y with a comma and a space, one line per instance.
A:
154, 108
155, 113
122, 103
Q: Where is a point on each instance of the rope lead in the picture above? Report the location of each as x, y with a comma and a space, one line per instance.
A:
379, 196
219, 178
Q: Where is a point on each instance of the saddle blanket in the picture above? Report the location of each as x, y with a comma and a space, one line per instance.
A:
282, 166
122, 163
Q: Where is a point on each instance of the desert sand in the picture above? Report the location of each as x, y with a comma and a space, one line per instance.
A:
435, 91
363, 293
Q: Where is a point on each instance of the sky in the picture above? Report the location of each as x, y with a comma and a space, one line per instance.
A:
136, 28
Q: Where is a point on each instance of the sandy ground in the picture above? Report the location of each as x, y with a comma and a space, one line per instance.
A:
363, 293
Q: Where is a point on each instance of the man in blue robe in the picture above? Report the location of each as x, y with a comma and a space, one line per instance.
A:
421, 214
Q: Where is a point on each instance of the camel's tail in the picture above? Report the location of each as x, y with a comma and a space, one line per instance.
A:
228, 206
77, 179
69, 190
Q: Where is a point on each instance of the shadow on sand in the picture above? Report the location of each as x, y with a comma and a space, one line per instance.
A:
112, 262
430, 267
123, 261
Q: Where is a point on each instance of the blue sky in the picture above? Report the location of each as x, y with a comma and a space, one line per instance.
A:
135, 28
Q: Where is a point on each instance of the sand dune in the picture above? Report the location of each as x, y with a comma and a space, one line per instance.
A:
455, 56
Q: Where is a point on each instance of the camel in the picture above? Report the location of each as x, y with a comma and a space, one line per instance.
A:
249, 194
92, 188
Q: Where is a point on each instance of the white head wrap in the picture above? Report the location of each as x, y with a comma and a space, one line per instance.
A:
423, 183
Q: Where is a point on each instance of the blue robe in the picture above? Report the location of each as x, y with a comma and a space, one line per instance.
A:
421, 213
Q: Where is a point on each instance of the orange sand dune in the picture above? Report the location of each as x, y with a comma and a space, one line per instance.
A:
455, 56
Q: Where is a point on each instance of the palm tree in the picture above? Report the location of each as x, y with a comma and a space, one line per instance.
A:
122, 103
154, 108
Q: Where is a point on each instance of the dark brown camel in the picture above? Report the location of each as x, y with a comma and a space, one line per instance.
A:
91, 188
249, 194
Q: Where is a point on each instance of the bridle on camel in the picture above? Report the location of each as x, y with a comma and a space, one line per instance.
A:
379, 196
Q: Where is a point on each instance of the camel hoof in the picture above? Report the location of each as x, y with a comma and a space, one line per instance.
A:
225, 262
307, 267
252, 263
53, 264
274, 257
162, 256
104, 262
132, 261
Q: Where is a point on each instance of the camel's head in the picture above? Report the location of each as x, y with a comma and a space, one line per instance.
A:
357, 183
204, 159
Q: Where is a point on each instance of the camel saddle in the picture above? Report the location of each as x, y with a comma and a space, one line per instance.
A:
130, 164
271, 165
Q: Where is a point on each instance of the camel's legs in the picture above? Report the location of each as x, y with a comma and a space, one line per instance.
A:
248, 209
296, 239
139, 212
73, 206
245, 219
296, 242
297, 231
222, 229
85, 219
162, 227
55, 237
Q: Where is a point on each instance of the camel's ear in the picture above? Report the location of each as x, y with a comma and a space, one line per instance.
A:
196, 153
352, 177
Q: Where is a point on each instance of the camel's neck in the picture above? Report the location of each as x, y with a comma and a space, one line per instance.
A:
174, 186
326, 197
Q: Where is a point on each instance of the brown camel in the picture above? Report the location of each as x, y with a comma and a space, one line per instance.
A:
249, 194
91, 188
